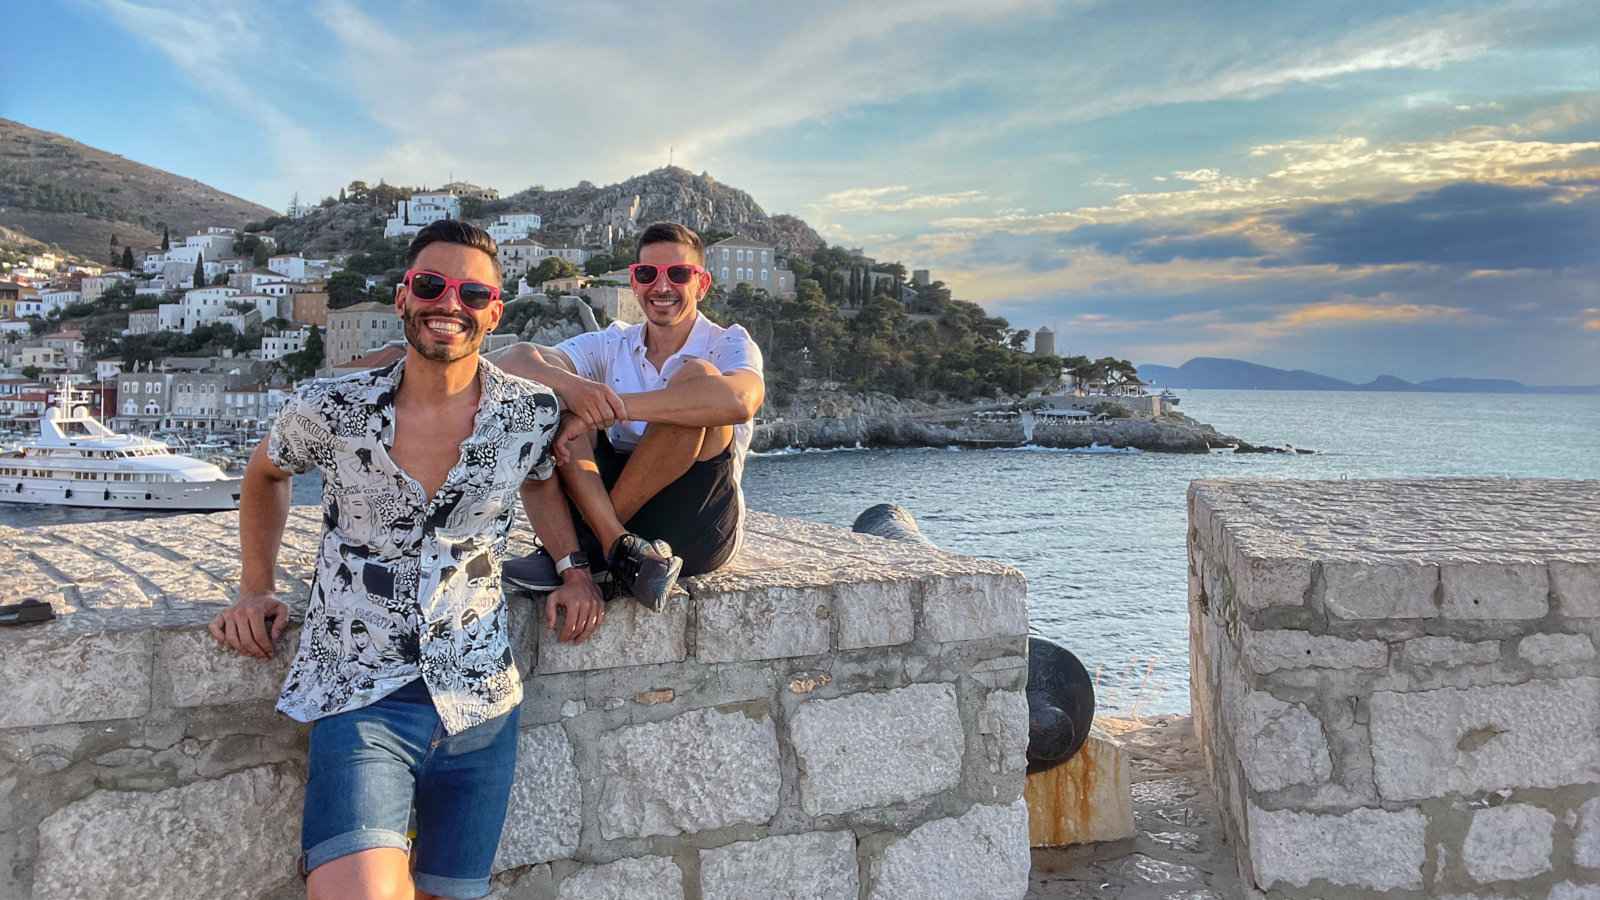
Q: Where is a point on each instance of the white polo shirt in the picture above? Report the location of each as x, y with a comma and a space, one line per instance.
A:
616, 356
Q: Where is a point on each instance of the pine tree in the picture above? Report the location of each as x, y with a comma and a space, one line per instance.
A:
166, 239
127, 258
200, 270
341, 195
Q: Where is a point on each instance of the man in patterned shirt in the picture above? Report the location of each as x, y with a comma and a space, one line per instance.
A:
404, 664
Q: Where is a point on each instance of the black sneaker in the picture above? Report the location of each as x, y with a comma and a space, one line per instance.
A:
535, 572
645, 569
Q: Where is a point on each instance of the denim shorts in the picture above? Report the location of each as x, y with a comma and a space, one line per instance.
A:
369, 767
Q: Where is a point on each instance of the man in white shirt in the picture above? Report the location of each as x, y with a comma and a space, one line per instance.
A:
659, 417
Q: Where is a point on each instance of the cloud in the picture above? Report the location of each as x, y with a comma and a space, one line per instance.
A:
895, 198
1480, 226
1350, 313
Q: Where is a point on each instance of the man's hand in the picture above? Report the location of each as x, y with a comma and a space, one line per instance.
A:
244, 625
581, 599
596, 404
572, 429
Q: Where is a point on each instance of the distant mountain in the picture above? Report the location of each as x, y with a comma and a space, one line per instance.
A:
668, 194
58, 191
1236, 374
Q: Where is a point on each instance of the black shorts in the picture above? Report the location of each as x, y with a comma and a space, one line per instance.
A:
698, 514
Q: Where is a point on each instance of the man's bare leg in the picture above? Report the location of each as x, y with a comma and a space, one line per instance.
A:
383, 873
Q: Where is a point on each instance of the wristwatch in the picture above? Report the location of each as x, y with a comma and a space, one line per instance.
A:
575, 559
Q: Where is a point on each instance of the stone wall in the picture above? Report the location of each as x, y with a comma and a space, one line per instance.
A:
1396, 684
834, 716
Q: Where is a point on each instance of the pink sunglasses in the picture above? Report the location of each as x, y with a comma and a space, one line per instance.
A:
645, 275
430, 286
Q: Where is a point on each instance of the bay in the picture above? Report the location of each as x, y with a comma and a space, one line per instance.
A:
1100, 536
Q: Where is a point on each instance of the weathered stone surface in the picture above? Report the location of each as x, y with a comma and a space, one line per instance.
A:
1508, 842
1263, 582
1434, 651
701, 770
769, 623
1554, 649
817, 866
970, 607
545, 816
1392, 589
872, 749
630, 636
1576, 587
1586, 846
875, 613
233, 837
1474, 590
1269, 651
1003, 721
203, 674
1084, 800
56, 673
1279, 744
1539, 734
1567, 890
982, 855
645, 878
1368, 848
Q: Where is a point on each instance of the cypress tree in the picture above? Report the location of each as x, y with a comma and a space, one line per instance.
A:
200, 270
166, 239
127, 258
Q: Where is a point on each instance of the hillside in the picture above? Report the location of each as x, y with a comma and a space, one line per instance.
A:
1236, 374
58, 191
665, 195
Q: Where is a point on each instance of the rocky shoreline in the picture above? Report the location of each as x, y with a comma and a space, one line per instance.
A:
1172, 433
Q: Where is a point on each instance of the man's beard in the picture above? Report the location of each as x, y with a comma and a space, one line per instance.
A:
415, 331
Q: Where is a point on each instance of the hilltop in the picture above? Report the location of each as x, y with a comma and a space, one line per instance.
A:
58, 191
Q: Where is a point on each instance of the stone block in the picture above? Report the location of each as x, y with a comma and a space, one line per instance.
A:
64, 672
875, 613
644, 878
817, 866
630, 636
1003, 723
1084, 800
1508, 842
1263, 582
1366, 848
1495, 590
1567, 890
970, 607
545, 815
1444, 651
1392, 589
701, 770
1586, 846
1269, 651
874, 749
1576, 587
201, 673
1555, 649
1278, 744
982, 855
770, 623
1433, 743
233, 837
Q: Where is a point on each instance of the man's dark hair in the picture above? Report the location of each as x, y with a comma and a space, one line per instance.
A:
454, 231
673, 233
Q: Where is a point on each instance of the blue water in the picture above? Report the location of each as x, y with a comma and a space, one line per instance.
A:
1101, 536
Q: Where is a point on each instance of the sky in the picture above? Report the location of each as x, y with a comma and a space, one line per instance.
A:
1365, 188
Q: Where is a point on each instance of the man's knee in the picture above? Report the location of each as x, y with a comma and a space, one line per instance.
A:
693, 367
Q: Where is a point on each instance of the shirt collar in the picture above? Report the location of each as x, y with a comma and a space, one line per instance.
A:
385, 384
699, 337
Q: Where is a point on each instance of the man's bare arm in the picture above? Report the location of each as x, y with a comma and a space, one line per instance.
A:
546, 506
703, 402
595, 403
263, 513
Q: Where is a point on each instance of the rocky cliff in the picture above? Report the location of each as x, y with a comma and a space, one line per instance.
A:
668, 194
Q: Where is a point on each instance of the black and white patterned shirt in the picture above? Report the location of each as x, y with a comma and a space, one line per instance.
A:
405, 584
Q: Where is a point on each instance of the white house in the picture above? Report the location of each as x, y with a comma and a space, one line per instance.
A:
422, 209
33, 306
299, 268
281, 345
512, 226
739, 260
169, 317
91, 288
215, 243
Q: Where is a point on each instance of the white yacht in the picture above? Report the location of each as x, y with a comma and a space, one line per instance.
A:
77, 461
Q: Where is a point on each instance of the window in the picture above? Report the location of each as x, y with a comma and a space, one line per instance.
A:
763, 256
724, 268
763, 274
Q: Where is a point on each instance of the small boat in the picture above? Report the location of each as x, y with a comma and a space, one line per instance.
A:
77, 461
1167, 396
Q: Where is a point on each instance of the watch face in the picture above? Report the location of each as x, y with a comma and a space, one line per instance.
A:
578, 558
